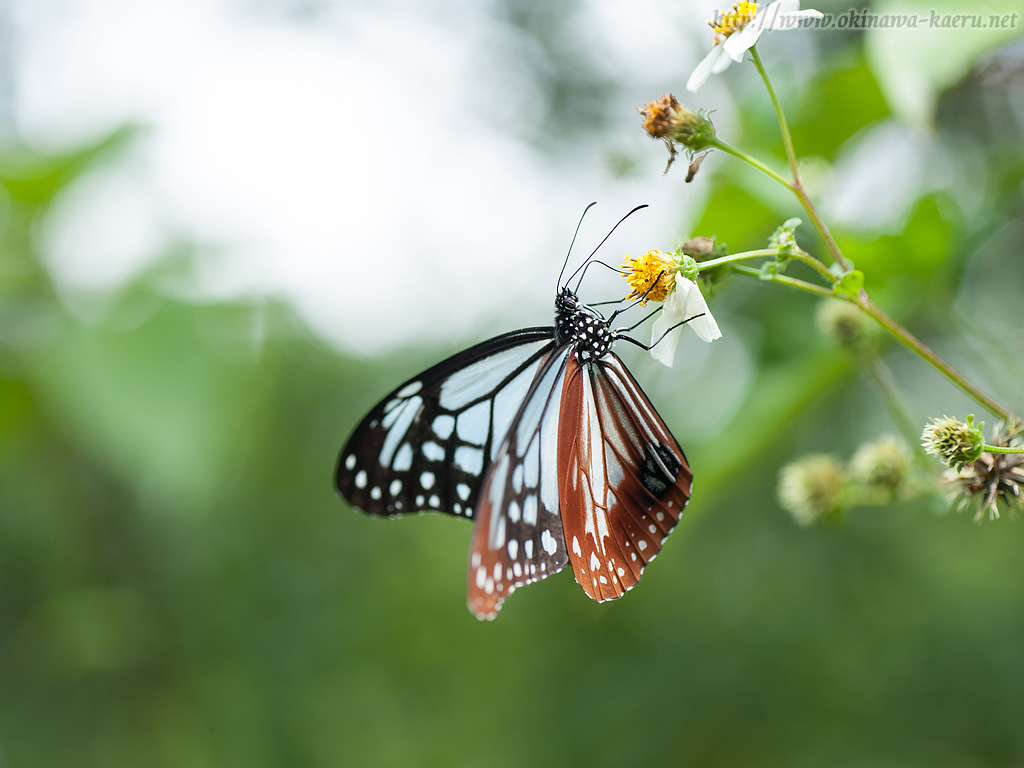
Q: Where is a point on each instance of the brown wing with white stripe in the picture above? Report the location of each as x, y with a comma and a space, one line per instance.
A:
623, 479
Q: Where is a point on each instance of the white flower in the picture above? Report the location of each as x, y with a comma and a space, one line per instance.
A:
685, 303
712, 64
738, 30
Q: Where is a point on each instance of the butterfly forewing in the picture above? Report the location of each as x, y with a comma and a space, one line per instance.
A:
518, 537
623, 480
428, 444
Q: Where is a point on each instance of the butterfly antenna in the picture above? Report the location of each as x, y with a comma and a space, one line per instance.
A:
588, 265
580, 224
581, 266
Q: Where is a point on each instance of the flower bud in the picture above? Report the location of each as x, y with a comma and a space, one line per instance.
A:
783, 239
666, 118
691, 172
811, 489
688, 267
994, 481
700, 248
955, 442
841, 322
882, 468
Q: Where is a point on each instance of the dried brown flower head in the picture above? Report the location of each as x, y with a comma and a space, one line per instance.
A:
993, 481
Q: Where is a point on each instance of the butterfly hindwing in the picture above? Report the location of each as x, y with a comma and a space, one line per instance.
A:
517, 536
623, 478
428, 444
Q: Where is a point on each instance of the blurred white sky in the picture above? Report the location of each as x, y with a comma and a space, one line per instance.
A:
337, 160
332, 152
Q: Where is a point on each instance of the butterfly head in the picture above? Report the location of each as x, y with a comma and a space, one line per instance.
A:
581, 327
566, 302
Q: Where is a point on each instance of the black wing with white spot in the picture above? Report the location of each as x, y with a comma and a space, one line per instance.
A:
427, 445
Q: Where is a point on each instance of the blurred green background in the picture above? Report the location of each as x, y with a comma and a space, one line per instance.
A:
180, 586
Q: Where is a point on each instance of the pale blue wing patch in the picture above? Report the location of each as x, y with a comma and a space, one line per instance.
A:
437, 433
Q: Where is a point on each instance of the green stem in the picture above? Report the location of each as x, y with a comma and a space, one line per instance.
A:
895, 330
787, 138
764, 252
902, 334
797, 184
1001, 449
914, 344
887, 386
796, 253
823, 230
741, 155
813, 263
791, 282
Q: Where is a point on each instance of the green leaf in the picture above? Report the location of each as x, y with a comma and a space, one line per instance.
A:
923, 257
843, 94
849, 284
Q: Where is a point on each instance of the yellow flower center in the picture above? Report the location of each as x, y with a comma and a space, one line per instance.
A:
652, 276
732, 21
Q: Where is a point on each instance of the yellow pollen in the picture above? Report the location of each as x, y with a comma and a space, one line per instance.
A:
651, 269
733, 21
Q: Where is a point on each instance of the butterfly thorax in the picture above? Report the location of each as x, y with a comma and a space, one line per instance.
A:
581, 327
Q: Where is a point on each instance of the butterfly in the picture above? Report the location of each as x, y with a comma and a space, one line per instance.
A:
545, 440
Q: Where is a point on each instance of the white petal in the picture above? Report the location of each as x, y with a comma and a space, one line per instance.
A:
708, 65
806, 13
706, 327
664, 349
769, 16
685, 303
722, 64
740, 42
779, 6
785, 21
785, 14
693, 304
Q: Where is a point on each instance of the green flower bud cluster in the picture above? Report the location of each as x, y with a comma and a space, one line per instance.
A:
817, 489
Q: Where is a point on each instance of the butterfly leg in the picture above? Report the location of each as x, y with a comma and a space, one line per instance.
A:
637, 325
649, 347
